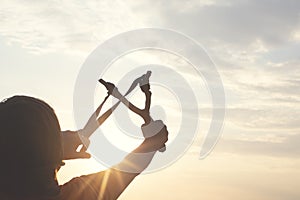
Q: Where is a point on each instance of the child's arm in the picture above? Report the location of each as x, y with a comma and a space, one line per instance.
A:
109, 184
116, 179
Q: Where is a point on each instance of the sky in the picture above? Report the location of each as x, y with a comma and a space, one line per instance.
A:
254, 44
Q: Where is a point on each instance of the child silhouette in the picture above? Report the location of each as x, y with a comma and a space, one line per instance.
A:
33, 148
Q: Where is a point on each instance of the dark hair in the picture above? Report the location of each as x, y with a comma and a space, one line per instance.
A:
30, 145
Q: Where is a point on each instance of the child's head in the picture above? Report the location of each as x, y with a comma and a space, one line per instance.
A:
30, 143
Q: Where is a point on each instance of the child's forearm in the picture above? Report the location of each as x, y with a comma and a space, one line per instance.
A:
139, 159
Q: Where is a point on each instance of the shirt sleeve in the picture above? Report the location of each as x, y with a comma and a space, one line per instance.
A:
105, 185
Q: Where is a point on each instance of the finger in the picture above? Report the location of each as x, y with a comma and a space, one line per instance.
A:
68, 132
83, 148
83, 154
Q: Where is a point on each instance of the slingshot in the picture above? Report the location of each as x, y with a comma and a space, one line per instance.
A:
149, 128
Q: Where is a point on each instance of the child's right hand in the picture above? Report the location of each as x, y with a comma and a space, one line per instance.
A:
156, 134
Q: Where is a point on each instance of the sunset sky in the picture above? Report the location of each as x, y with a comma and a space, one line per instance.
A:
254, 45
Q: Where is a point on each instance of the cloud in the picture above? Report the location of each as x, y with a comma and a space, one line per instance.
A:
288, 146
237, 22
237, 34
43, 26
254, 43
272, 84
265, 119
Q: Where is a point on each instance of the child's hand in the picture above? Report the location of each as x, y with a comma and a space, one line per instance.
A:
156, 134
71, 141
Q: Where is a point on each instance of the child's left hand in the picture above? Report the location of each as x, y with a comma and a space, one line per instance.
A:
71, 141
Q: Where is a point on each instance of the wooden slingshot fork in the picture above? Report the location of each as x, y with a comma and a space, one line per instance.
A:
149, 128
